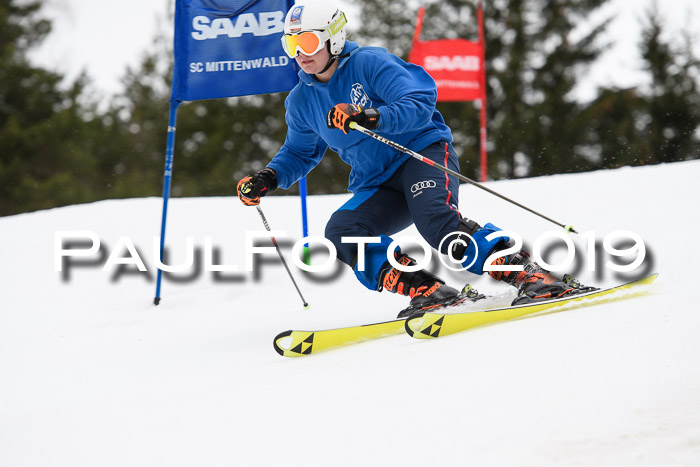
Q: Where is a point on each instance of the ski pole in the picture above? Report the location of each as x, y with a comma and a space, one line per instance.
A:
415, 155
274, 242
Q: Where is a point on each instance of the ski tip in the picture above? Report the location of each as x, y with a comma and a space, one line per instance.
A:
407, 323
279, 336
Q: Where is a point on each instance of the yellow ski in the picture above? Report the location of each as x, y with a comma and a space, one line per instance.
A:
300, 343
431, 325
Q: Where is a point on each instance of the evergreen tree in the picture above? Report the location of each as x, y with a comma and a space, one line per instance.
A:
45, 156
674, 102
651, 124
613, 134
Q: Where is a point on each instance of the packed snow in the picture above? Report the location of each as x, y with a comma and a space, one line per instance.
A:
93, 374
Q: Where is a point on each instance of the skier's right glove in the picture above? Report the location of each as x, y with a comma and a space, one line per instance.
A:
341, 115
250, 189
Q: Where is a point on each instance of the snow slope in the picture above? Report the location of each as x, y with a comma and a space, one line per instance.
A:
92, 374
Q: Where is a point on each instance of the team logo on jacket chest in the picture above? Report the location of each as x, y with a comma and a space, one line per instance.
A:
358, 96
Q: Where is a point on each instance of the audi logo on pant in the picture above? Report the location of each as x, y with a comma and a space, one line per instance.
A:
422, 185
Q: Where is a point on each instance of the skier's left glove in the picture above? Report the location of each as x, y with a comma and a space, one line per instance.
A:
341, 115
250, 189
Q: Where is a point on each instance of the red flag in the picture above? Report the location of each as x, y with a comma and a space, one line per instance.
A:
455, 65
458, 68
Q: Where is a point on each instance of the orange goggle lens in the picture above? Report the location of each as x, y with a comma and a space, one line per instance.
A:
307, 42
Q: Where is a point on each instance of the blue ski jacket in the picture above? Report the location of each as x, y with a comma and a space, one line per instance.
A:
405, 96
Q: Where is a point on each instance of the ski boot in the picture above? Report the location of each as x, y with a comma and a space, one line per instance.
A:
425, 289
534, 283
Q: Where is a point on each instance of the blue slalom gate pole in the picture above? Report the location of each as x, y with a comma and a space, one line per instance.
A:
304, 219
167, 177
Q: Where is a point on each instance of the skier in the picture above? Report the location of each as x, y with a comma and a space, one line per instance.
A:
341, 82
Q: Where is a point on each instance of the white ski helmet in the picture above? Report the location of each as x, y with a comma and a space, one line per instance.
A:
321, 16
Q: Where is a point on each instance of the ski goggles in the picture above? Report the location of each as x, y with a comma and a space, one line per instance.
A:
311, 42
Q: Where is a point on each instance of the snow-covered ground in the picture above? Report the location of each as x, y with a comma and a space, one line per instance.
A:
92, 374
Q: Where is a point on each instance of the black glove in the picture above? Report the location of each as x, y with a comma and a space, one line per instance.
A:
341, 115
250, 189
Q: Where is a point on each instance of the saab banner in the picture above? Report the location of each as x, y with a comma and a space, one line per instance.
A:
454, 64
230, 48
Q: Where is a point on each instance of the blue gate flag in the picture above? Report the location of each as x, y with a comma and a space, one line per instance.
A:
226, 48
